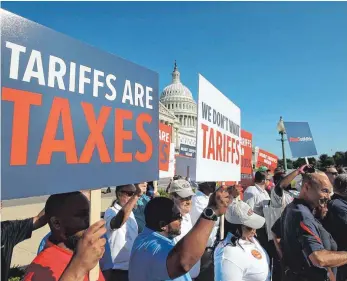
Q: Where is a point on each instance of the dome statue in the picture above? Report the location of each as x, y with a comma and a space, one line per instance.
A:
179, 99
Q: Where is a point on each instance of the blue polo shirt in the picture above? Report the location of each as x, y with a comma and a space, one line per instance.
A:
301, 236
148, 258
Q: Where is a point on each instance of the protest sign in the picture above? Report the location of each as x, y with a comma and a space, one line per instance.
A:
73, 117
246, 159
187, 150
300, 139
166, 152
267, 159
218, 154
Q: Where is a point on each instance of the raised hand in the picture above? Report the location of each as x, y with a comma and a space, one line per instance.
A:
219, 200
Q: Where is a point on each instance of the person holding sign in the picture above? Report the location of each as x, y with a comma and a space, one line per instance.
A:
156, 257
90, 249
181, 193
122, 227
14, 232
68, 219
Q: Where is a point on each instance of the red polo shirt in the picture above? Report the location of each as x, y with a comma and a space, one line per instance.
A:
50, 264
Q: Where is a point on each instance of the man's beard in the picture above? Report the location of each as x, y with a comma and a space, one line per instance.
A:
173, 232
72, 241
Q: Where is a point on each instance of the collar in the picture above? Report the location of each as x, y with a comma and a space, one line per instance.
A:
299, 201
49, 244
259, 188
147, 231
117, 206
338, 196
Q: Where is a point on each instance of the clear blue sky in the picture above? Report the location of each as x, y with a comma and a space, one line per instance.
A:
270, 58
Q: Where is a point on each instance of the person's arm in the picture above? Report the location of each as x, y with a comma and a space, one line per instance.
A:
192, 246
288, 179
324, 258
277, 245
155, 189
40, 220
89, 251
122, 216
250, 199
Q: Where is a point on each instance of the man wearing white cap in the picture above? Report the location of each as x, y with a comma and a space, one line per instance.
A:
181, 193
240, 256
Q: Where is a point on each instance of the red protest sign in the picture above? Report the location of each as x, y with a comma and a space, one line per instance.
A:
164, 146
246, 152
267, 159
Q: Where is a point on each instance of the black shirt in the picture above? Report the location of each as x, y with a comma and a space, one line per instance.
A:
301, 236
336, 221
12, 233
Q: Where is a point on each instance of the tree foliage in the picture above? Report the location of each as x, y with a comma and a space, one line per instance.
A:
324, 160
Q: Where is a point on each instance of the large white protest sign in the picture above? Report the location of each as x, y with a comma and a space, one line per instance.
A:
218, 155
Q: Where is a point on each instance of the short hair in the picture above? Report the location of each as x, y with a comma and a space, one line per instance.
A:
206, 184
311, 178
260, 176
158, 210
56, 202
340, 184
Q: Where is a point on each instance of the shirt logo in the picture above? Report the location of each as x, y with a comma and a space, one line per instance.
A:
256, 254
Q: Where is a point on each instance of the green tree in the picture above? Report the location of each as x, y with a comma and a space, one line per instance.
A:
326, 160
339, 158
299, 162
289, 163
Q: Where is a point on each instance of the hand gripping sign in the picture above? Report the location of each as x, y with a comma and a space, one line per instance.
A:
73, 117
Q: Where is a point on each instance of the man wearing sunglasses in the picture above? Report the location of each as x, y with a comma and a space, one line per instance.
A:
122, 228
304, 254
332, 173
155, 256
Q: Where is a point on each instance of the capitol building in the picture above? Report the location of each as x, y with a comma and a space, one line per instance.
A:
178, 109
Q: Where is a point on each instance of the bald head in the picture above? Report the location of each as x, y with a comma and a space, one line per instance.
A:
315, 188
317, 179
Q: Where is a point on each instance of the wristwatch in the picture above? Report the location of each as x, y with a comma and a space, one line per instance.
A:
209, 214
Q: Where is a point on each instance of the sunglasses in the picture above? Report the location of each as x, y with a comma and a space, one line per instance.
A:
323, 201
129, 193
334, 174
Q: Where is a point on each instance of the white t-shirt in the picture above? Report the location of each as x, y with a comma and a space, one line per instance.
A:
121, 240
233, 263
256, 197
280, 201
199, 203
186, 226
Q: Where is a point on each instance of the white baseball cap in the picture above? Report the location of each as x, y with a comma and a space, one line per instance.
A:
182, 188
241, 213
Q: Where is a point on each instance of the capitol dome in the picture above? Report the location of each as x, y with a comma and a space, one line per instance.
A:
179, 99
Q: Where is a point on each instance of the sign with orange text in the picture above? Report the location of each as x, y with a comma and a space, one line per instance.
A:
218, 154
73, 117
164, 146
267, 159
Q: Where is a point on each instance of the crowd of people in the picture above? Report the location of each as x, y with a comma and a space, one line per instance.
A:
285, 232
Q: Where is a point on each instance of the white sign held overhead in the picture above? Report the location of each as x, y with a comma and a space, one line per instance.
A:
218, 155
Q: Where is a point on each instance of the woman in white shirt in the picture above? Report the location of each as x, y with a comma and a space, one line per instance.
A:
181, 193
240, 257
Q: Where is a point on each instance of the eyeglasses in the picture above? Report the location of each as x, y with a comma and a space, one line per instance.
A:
334, 173
324, 201
129, 193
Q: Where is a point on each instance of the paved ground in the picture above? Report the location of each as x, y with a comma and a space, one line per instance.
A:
26, 251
